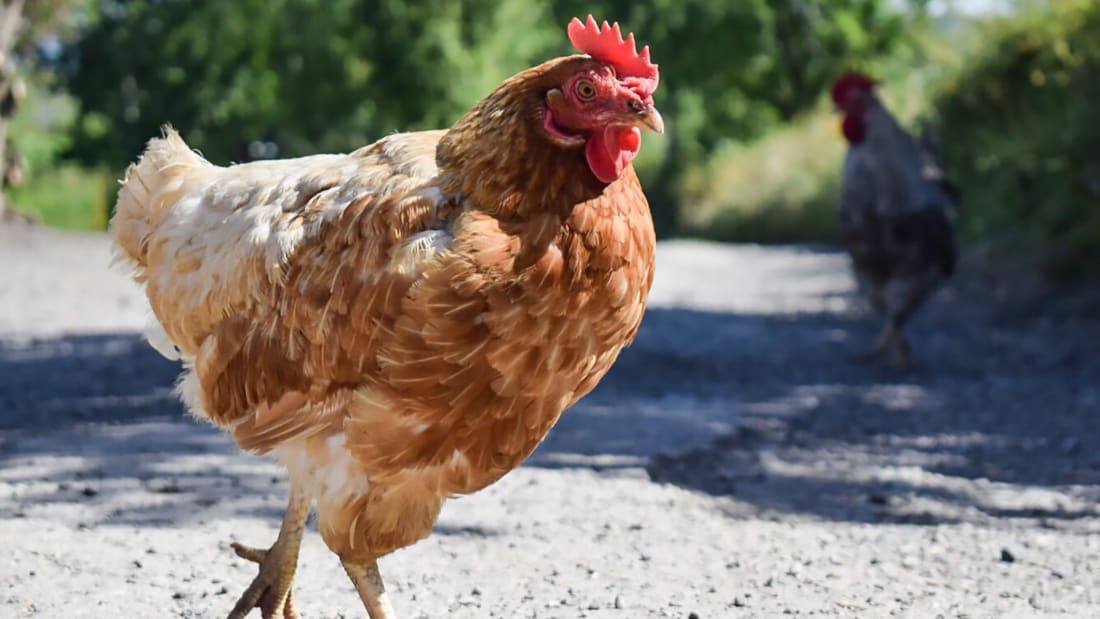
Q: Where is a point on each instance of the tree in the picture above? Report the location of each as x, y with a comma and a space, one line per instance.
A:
306, 74
313, 75
20, 26
732, 70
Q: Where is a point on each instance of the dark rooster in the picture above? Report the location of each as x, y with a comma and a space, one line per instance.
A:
896, 213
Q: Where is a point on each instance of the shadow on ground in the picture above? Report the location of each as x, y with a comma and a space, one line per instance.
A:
994, 423
46, 383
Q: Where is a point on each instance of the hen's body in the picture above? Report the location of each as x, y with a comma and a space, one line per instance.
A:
895, 215
400, 324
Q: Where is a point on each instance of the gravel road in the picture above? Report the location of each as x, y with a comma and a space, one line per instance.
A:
733, 464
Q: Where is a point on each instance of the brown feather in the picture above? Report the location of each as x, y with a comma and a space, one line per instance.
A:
434, 301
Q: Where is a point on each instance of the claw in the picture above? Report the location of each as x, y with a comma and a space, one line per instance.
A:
255, 555
900, 358
271, 590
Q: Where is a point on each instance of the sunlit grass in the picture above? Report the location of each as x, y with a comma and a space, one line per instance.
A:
780, 189
785, 187
67, 197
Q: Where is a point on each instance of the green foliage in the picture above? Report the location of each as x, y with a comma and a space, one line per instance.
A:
67, 197
309, 74
1021, 132
784, 187
780, 189
41, 127
323, 75
735, 69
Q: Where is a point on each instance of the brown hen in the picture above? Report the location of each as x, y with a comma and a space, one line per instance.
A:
406, 322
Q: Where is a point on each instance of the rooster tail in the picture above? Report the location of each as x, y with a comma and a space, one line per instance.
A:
151, 187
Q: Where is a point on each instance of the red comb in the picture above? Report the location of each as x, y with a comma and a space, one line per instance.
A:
848, 81
606, 44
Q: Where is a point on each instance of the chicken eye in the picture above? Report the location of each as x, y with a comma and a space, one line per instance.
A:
585, 90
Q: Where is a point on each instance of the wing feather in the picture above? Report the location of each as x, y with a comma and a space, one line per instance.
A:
274, 277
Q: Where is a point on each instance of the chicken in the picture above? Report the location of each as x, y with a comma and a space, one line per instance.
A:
404, 323
896, 213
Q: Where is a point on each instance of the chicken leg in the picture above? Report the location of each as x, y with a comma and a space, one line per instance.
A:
271, 589
899, 352
882, 343
368, 582
891, 340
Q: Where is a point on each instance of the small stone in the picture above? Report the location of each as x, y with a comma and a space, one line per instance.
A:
910, 561
1007, 556
88, 491
693, 615
136, 564
618, 602
179, 595
739, 603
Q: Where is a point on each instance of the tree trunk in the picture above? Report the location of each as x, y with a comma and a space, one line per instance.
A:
11, 87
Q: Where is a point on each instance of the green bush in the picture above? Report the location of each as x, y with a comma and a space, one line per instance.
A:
784, 188
67, 197
1021, 134
780, 189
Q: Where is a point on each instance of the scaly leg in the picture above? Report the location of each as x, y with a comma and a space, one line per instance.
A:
271, 589
899, 352
885, 340
368, 582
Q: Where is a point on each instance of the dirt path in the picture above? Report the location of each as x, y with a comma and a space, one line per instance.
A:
732, 465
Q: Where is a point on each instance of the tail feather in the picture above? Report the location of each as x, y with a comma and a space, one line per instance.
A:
151, 186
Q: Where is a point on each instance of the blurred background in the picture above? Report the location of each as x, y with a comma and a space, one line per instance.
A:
753, 149
733, 451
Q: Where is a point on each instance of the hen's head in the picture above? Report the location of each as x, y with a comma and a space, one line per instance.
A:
852, 94
602, 100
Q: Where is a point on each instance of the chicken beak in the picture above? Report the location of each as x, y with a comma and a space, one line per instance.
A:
640, 115
650, 119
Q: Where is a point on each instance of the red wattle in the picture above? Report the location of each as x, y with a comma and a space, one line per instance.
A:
610, 151
854, 128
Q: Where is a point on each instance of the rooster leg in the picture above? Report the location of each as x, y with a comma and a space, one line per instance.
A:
883, 342
899, 352
271, 589
368, 582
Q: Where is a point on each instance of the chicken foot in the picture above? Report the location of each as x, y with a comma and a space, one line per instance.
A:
368, 582
271, 591
882, 342
891, 340
899, 352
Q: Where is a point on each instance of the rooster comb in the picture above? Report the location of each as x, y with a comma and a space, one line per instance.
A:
605, 43
849, 81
